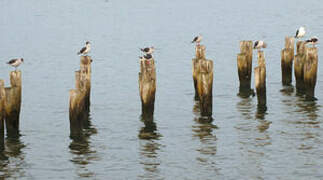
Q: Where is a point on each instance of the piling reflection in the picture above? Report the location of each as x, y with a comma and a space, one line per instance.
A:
309, 108
287, 90
12, 159
149, 148
245, 107
81, 148
203, 129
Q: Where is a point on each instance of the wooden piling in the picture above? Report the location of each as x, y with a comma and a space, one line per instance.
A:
204, 86
13, 104
260, 80
310, 72
147, 86
85, 70
2, 115
287, 57
199, 54
79, 102
244, 62
299, 67
300, 47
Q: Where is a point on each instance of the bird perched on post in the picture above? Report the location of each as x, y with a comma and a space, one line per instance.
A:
15, 62
313, 40
300, 32
85, 49
148, 50
197, 40
259, 44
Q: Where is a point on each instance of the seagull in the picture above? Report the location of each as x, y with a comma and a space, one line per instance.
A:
85, 49
259, 44
197, 39
148, 50
300, 32
313, 40
15, 62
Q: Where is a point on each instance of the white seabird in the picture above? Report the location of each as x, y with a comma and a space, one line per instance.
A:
85, 49
300, 32
15, 62
260, 44
197, 39
148, 50
313, 40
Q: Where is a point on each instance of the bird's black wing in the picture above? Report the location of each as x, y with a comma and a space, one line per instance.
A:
296, 33
12, 61
256, 44
82, 50
195, 39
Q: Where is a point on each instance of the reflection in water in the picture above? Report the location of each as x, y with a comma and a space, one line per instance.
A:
287, 90
12, 162
203, 130
261, 112
245, 106
310, 108
149, 148
80, 147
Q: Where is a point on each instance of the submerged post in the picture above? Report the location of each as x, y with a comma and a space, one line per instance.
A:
287, 57
244, 62
147, 86
79, 102
12, 104
2, 101
260, 80
299, 67
310, 72
199, 54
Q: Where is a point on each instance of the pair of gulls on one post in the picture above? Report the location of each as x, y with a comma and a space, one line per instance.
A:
258, 44
147, 53
301, 33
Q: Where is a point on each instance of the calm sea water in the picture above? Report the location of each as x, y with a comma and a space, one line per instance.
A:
285, 143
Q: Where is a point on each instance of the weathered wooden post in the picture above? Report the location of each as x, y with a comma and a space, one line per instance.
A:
204, 86
244, 62
299, 67
199, 54
85, 69
12, 104
260, 80
310, 72
147, 86
2, 116
80, 97
287, 57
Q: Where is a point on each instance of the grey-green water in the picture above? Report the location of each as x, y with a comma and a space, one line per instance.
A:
285, 143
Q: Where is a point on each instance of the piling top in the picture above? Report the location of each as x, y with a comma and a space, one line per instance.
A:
15, 78
289, 42
261, 58
245, 46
